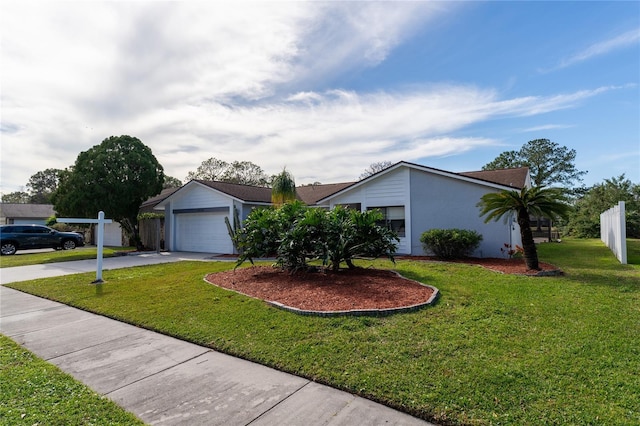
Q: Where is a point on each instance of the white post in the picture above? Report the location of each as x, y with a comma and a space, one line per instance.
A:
100, 242
100, 222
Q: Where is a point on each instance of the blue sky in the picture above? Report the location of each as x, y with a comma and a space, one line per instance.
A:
324, 89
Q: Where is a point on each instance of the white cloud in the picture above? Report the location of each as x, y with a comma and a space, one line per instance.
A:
546, 127
628, 39
236, 81
334, 135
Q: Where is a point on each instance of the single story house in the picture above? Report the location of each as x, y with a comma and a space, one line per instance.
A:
25, 214
413, 198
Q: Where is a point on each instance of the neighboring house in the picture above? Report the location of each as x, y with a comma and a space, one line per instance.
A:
412, 197
24, 214
114, 235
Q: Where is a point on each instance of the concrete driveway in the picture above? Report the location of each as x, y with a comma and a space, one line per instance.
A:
31, 272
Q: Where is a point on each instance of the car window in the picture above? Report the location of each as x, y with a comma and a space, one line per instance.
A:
40, 230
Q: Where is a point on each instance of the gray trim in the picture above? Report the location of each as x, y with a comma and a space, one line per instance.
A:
203, 210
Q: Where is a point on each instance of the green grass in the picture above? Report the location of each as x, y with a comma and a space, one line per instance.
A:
34, 392
495, 349
82, 253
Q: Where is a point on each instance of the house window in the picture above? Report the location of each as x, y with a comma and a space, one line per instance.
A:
393, 218
353, 206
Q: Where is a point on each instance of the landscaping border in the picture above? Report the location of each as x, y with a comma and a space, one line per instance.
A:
351, 312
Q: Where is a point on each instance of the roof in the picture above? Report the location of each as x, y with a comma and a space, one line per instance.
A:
311, 194
27, 211
248, 193
149, 204
515, 178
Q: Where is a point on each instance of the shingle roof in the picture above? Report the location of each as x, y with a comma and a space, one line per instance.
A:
311, 194
148, 205
515, 178
27, 211
255, 194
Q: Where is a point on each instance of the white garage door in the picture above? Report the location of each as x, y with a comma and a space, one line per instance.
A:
202, 232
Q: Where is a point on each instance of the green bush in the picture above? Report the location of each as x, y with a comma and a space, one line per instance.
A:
450, 243
295, 234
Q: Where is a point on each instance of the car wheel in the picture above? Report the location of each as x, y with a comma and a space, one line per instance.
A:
8, 249
68, 244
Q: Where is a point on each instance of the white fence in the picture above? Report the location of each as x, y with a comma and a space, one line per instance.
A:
613, 231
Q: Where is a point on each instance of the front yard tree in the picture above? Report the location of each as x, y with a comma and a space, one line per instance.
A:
540, 202
548, 163
115, 177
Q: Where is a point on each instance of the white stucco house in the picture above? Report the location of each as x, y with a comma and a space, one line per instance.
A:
413, 198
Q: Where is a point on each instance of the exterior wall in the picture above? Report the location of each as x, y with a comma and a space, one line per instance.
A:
442, 202
28, 221
194, 197
389, 190
112, 235
200, 197
245, 209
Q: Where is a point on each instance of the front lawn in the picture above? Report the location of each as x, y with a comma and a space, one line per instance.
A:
495, 349
34, 392
81, 253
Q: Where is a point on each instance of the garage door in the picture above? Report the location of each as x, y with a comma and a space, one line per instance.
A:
202, 232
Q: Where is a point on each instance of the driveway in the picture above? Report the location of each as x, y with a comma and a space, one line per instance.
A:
31, 272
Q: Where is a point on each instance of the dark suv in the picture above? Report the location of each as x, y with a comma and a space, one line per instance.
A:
23, 237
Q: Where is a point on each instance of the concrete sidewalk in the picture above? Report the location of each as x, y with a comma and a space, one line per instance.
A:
164, 380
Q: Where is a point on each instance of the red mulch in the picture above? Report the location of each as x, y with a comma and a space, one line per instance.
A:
345, 290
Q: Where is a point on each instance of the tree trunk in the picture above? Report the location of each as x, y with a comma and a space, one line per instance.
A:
350, 263
528, 245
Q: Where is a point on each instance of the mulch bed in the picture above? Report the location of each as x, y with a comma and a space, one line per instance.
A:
346, 290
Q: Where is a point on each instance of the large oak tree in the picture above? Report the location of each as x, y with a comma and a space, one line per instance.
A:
115, 177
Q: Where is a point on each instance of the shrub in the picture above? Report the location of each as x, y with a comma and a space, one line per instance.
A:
450, 243
264, 229
295, 234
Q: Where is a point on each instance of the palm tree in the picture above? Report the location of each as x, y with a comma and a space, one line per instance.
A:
283, 188
541, 202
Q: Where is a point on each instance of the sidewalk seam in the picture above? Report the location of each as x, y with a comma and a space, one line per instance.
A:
264, 413
159, 371
91, 346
